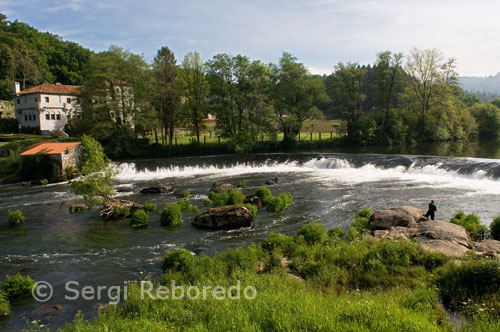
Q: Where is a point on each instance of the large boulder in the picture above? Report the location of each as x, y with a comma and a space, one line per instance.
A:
221, 187
225, 217
46, 311
254, 200
487, 247
157, 190
401, 216
274, 181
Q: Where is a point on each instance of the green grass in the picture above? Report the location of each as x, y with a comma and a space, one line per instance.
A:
329, 284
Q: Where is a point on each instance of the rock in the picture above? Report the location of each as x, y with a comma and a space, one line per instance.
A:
221, 187
157, 190
274, 181
400, 216
46, 310
487, 247
254, 200
76, 208
224, 217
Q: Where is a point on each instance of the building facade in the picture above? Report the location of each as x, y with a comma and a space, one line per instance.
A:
46, 106
66, 154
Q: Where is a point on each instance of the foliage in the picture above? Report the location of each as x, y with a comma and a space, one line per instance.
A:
16, 286
262, 192
488, 119
185, 193
313, 232
227, 197
171, 215
4, 306
93, 157
242, 184
39, 166
44, 182
279, 203
252, 208
139, 219
150, 207
361, 223
495, 228
336, 233
471, 224
8, 125
180, 260
15, 218
276, 241
121, 211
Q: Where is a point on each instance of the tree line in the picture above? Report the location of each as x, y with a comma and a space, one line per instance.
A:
396, 100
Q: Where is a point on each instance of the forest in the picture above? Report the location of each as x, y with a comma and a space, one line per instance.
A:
396, 100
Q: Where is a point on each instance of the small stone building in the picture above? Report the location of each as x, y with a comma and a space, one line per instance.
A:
67, 154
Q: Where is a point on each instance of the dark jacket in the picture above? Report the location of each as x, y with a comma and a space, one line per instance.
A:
432, 207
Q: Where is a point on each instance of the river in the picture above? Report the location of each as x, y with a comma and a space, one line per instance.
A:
56, 246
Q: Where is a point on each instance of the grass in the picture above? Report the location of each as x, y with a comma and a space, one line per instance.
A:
322, 283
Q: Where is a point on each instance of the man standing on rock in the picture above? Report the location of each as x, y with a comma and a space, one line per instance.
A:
432, 210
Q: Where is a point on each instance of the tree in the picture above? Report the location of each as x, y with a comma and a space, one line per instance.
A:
294, 94
347, 91
488, 118
195, 90
166, 89
388, 79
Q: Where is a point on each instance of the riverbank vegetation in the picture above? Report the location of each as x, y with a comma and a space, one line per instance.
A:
317, 280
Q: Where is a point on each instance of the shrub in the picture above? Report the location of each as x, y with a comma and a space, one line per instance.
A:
275, 241
184, 204
336, 233
15, 218
139, 219
171, 215
121, 211
185, 193
180, 260
262, 192
44, 182
227, 197
68, 173
495, 228
287, 200
17, 286
252, 209
215, 184
242, 184
313, 233
361, 223
39, 166
273, 204
4, 306
207, 202
150, 207
471, 224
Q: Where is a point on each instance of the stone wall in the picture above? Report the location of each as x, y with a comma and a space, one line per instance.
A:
72, 158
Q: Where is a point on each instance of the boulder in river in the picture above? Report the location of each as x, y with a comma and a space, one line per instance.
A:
254, 200
400, 216
274, 181
221, 187
47, 310
157, 190
488, 247
224, 217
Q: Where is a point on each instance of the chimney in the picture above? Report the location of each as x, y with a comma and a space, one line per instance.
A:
57, 83
17, 88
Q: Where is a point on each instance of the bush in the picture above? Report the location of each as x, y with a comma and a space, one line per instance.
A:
180, 260
171, 215
185, 193
150, 207
139, 219
361, 223
495, 228
336, 233
287, 200
15, 218
275, 241
471, 224
44, 182
227, 197
121, 211
252, 209
4, 306
17, 286
39, 166
207, 202
215, 184
313, 233
242, 184
273, 204
262, 192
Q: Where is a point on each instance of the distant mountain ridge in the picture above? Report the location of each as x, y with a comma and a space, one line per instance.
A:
486, 84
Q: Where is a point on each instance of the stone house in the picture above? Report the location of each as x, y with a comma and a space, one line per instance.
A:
66, 154
46, 106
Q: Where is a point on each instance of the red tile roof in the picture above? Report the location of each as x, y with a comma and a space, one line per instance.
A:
49, 148
53, 89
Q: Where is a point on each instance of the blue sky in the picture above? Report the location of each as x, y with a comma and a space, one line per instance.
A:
320, 33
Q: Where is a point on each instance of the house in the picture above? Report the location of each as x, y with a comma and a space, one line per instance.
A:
66, 154
46, 106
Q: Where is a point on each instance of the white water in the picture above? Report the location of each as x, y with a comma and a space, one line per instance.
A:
328, 171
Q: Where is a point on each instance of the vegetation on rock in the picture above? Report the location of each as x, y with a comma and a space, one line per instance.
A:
15, 218
471, 223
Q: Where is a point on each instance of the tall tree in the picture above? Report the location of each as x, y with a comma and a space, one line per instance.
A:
294, 94
166, 89
195, 90
347, 92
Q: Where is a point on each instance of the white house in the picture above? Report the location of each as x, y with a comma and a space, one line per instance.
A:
47, 106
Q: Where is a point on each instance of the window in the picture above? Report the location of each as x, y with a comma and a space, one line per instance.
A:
68, 100
58, 116
25, 118
52, 116
46, 99
47, 116
18, 100
34, 117
36, 100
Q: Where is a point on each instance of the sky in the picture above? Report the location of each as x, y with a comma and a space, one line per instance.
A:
320, 33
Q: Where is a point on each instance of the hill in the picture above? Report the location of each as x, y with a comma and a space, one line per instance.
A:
487, 87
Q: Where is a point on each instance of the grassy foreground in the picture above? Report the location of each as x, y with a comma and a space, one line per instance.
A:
316, 281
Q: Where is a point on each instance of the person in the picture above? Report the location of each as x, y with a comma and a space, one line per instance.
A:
432, 211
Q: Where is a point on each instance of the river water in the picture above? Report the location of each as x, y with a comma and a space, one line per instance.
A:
57, 247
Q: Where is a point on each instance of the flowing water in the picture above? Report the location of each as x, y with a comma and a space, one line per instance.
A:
57, 246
